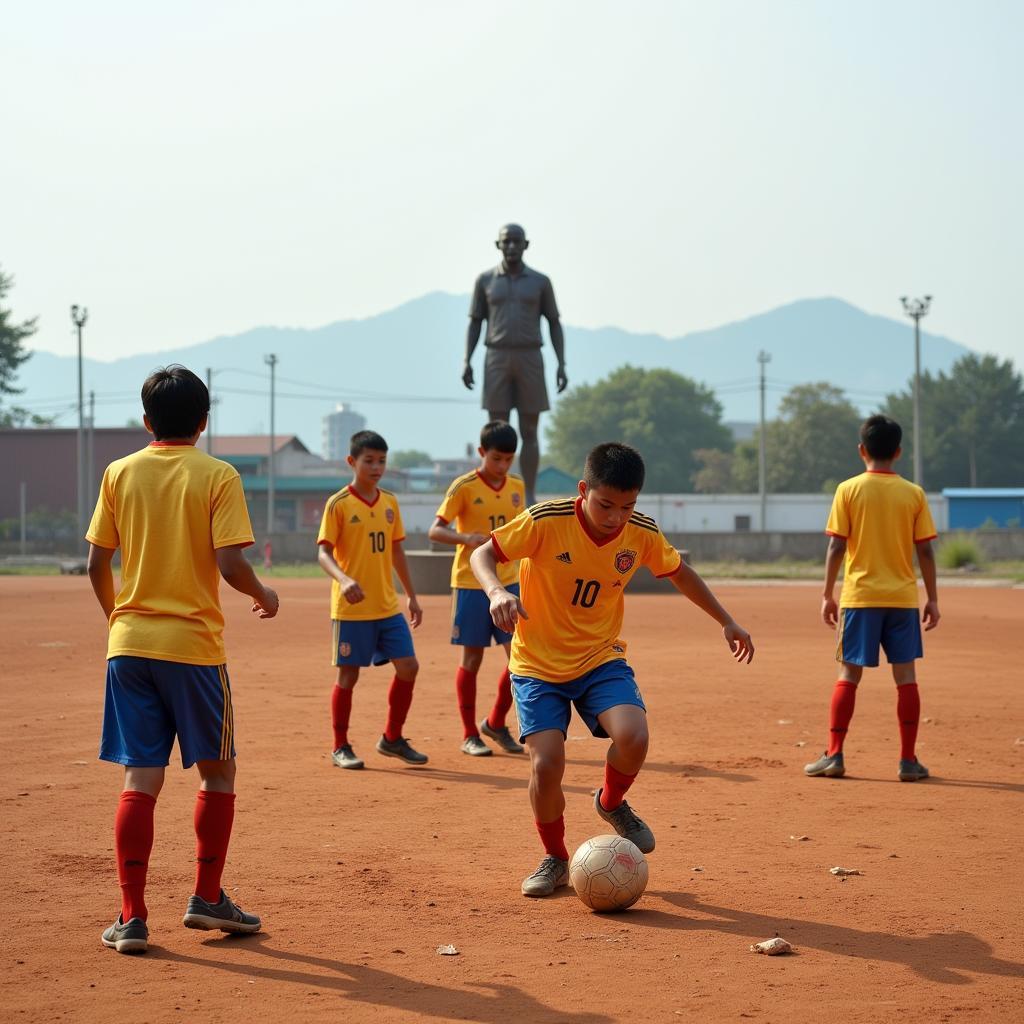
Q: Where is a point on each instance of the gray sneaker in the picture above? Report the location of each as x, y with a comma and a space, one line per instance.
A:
223, 915
912, 771
400, 748
502, 737
829, 765
627, 824
345, 757
476, 747
551, 875
132, 937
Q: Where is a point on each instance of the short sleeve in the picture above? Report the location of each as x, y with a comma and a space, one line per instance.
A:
839, 517
452, 505
517, 539
398, 533
924, 525
478, 304
330, 525
229, 517
661, 557
548, 307
103, 526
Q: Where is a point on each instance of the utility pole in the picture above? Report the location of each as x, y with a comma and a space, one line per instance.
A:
209, 417
78, 318
763, 359
915, 309
90, 453
22, 509
271, 361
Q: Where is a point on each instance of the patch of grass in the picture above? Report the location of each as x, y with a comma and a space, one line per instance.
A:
29, 570
959, 551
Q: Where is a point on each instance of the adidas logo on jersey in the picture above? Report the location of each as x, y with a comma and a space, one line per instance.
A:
355, 519
565, 557
478, 501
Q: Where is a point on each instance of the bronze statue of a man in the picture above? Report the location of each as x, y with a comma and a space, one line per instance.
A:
512, 298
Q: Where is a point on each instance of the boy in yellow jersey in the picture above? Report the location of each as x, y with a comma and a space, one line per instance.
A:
578, 555
359, 544
476, 504
877, 521
179, 518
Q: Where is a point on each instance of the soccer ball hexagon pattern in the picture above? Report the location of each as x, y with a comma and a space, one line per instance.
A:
608, 873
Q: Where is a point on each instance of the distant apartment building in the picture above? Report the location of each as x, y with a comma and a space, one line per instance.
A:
338, 428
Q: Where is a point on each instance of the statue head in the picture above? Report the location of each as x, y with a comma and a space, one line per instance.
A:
512, 243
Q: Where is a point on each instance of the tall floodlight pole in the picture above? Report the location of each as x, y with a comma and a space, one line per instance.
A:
90, 453
915, 309
78, 318
763, 359
271, 361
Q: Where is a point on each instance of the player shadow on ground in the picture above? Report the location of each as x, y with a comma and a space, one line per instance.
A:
947, 958
940, 780
689, 771
494, 1003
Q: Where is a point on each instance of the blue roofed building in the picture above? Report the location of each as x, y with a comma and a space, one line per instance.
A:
972, 507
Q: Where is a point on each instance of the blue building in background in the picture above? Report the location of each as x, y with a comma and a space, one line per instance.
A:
970, 507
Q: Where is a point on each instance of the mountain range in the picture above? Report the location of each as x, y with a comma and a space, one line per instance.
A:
401, 369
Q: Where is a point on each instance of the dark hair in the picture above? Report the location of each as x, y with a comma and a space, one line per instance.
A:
366, 440
881, 436
176, 402
614, 465
499, 436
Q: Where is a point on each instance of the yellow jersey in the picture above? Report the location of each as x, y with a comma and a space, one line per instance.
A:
360, 534
571, 585
168, 508
881, 517
474, 506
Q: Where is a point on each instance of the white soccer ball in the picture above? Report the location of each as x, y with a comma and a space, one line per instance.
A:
608, 873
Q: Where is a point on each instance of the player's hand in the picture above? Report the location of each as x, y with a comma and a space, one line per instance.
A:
475, 540
267, 604
415, 612
561, 379
739, 642
506, 610
829, 612
930, 616
467, 376
352, 592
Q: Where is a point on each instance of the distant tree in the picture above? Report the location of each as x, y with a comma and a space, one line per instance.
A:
812, 443
409, 458
663, 414
715, 474
12, 355
134, 422
972, 424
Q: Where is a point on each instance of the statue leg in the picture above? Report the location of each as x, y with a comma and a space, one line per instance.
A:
529, 452
500, 414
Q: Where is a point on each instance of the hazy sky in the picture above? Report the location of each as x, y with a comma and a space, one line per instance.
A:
207, 167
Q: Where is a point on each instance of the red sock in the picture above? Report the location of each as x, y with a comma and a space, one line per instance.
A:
133, 841
615, 785
844, 696
502, 702
908, 710
465, 690
552, 835
214, 815
341, 711
399, 700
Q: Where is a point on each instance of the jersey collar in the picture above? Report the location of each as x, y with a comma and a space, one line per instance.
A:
582, 519
484, 480
171, 444
355, 494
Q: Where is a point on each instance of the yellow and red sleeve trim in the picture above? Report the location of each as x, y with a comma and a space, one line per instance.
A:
325, 543
841, 536
501, 556
924, 540
665, 575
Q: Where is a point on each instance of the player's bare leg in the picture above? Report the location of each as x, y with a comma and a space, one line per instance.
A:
493, 726
844, 698
908, 711
341, 711
210, 908
547, 767
392, 743
626, 724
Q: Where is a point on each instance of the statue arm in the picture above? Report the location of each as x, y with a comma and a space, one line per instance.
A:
472, 339
558, 344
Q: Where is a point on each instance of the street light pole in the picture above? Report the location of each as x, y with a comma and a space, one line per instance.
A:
271, 361
915, 309
763, 359
78, 318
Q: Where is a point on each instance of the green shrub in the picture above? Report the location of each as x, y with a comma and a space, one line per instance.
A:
959, 550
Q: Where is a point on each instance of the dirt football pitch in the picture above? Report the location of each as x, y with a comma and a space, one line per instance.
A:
361, 876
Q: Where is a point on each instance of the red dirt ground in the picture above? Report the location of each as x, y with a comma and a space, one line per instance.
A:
360, 876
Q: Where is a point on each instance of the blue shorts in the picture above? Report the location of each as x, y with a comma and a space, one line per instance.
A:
541, 705
149, 702
472, 625
862, 630
370, 641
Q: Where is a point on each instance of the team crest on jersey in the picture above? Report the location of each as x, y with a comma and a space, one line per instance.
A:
516, 499
389, 515
344, 648
624, 560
